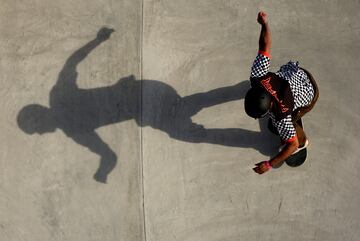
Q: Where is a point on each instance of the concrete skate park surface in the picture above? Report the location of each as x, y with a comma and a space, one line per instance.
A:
162, 100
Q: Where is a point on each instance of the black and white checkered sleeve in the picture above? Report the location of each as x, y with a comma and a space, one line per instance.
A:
260, 66
285, 128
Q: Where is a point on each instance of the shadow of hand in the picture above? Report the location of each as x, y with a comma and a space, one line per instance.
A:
104, 33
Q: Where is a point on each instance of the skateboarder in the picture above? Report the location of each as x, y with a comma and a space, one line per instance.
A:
279, 95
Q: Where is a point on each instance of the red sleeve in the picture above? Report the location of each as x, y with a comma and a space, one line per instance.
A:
264, 53
291, 139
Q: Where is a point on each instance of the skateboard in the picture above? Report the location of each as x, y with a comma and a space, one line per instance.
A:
296, 159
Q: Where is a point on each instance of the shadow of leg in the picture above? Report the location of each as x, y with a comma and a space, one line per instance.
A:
107, 164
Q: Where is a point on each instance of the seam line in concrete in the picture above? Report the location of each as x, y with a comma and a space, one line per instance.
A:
141, 119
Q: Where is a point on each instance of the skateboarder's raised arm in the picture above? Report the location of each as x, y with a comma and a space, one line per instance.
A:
261, 63
68, 74
265, 36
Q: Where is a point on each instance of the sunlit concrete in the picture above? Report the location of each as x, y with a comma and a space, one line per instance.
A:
207, 191
159, 102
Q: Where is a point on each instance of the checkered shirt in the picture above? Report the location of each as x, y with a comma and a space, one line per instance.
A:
300, 86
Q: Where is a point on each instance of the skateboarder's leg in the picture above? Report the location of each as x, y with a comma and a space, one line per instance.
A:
300, 132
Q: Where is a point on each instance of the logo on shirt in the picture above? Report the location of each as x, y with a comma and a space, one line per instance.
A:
267, 85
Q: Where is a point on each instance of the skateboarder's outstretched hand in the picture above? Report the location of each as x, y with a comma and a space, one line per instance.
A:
261, 168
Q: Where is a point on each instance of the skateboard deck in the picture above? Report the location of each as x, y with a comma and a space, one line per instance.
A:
297, 159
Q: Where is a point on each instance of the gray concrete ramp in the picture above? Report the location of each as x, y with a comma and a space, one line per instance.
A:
124, 120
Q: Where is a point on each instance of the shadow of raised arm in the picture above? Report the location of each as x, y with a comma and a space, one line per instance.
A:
68, 74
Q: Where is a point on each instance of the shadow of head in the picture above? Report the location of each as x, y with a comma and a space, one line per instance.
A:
36, 118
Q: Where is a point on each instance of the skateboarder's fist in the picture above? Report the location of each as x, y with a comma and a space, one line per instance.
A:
262, 18
261, 167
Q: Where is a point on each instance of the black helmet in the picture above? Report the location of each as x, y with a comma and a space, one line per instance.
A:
257, 102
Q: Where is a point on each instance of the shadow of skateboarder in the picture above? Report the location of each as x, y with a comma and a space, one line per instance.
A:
79, 112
